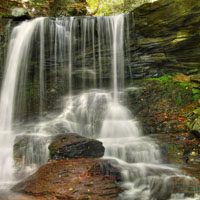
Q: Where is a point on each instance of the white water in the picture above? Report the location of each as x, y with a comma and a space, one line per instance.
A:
42, 63
70, 55
96, 113
118, 54
16, 66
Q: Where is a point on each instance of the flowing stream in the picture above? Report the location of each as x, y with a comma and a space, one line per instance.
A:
93, 84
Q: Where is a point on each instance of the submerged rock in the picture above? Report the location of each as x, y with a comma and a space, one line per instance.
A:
72, 179
75, 146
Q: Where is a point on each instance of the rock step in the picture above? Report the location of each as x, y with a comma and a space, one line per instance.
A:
69, 146
72, 179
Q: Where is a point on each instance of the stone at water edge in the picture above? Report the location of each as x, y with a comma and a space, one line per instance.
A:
68, 146
72, 179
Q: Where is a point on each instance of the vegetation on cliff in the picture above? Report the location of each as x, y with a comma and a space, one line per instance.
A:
108, 7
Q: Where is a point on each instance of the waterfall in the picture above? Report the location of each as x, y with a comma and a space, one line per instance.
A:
16, 67
42, 62
83, 60
118, 51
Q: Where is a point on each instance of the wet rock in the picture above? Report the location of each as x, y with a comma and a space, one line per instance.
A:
68, 146
72, 179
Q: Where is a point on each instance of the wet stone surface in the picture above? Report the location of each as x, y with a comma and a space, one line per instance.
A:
72, 179
68, 146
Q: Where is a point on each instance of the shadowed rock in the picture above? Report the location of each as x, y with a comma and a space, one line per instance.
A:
74, 146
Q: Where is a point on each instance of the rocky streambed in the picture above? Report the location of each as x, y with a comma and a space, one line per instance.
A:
74, 171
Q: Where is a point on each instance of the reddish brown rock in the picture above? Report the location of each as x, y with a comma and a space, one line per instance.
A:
73, 179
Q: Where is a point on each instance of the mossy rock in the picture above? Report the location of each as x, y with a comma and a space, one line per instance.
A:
165, 33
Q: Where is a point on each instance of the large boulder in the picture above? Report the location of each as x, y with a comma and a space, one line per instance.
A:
72, 179
68, 146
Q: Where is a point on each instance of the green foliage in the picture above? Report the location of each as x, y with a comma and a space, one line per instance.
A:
167, 81
196, 98
182, 89
195, 91
196, 94
185, 84
112, 7
163, 79
178, 100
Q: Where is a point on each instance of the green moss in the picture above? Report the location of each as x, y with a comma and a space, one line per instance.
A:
179, 100
196, 94
185, 84
181, 90
195, 91
163, 79
196, 97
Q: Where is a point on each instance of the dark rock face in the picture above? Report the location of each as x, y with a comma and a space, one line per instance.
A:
74, 146
72, 179
166, 38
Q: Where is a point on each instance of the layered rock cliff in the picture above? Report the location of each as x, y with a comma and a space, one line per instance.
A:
166, 38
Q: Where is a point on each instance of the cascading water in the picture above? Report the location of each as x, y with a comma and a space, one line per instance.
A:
16, 66
82, 53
